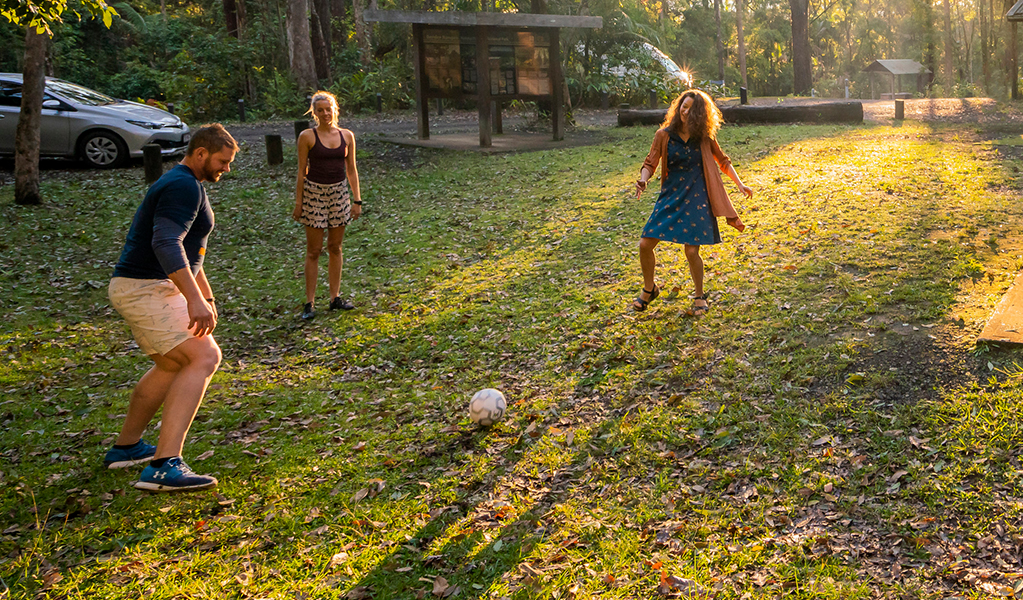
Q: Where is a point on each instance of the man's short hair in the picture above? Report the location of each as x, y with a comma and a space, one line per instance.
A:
213, 138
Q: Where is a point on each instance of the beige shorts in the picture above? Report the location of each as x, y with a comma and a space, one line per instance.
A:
154, 309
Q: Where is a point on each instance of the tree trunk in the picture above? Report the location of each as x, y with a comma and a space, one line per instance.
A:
802, 68
720, 44
320, 24
984, 32
361, 33
742, 43
337, 32
949, 45
26, 137
231, 18
300, 50
1008, 61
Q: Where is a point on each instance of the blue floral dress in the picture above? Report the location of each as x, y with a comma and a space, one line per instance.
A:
682, 213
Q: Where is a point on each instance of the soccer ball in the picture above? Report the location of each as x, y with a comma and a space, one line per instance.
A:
487, 407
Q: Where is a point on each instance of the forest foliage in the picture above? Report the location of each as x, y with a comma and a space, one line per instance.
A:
204, 55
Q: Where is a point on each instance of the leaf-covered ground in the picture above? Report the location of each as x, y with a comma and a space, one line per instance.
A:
829, 430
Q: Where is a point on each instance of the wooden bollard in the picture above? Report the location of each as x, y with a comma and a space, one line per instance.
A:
900, 110
300, 126
274, 149
152, 159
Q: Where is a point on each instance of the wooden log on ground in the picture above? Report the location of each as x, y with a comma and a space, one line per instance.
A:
824, 112
628, 117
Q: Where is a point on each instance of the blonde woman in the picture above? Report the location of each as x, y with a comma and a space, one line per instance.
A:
326, 197
692, 192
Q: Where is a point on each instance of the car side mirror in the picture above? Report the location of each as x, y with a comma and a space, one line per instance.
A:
53, 104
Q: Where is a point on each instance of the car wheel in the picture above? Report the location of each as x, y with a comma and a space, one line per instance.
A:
103, 150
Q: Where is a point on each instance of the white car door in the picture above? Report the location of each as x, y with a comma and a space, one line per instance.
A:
53, 128
53, 125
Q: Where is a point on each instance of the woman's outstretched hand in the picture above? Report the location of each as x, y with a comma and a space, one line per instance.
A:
746, 190
640, 187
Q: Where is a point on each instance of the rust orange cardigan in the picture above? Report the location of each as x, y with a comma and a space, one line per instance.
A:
720, 205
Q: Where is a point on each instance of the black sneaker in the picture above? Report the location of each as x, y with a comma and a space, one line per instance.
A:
339, 304
173, 476
307, 311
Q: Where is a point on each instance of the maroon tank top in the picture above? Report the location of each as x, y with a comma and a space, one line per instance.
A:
326, 165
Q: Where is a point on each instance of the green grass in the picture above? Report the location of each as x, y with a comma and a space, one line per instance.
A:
829, 430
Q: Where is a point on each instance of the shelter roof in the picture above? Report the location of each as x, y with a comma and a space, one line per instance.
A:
1016, 12
902, 66
495, 19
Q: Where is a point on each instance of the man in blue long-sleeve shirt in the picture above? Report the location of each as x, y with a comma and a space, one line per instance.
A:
160, 288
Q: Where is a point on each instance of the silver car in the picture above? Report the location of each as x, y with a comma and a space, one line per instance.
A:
81, 123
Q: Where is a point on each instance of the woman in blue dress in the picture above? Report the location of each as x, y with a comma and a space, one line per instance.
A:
692, 191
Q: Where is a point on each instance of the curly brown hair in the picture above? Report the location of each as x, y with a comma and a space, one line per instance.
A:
704, 118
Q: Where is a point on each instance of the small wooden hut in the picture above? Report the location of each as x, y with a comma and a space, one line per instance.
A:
1014, 16
898, 68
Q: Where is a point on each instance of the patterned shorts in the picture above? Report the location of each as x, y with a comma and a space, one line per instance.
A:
154, 309
326, 205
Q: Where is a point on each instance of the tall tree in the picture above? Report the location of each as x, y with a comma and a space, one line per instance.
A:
802, 67
361, 32
36, 17
320, 24
300, 49
949, 46
27, 136
742, 43
720, 41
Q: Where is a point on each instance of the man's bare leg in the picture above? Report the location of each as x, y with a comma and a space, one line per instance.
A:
147, 398
199, 359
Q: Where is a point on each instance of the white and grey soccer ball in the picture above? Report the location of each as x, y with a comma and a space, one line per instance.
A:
487, 407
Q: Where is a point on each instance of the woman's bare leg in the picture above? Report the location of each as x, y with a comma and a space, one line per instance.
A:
313, 249
696, 271
335, 236
648, 263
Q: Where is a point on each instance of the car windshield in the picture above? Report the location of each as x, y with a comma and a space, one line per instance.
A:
79, 94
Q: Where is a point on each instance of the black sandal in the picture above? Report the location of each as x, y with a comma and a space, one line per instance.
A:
639, 305
699, 311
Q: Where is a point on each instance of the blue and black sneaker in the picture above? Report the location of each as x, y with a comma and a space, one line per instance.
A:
120, 458
173, 476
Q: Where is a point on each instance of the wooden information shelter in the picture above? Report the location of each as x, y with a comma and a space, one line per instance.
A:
492, 57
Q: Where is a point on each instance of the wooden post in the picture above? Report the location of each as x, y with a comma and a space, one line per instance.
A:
557, 87
498, 121
274, 149
152, 158
1015, 63
483, 84
300, 126
419, 64
900, 110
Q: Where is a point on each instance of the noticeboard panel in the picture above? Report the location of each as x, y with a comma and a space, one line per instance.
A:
519, 61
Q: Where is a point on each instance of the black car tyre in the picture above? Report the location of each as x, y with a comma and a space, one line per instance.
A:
103, 150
